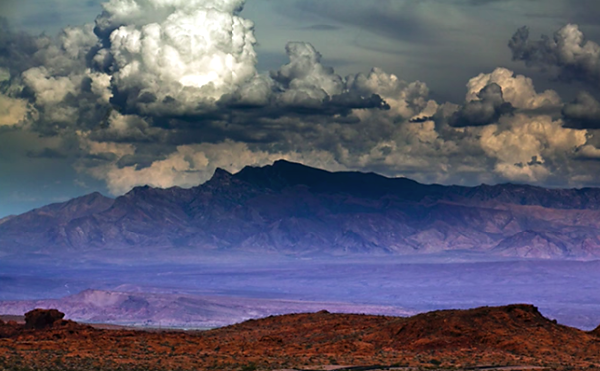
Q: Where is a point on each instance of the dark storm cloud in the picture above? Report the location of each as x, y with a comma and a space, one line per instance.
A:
583, 112
567, 51
331, 106
95, 158
16, 48
421, 119
484, 111
140, 161
352, 100
572, 57
534, 162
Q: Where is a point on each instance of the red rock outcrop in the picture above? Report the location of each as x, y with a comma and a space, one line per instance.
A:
42, 318
516, 335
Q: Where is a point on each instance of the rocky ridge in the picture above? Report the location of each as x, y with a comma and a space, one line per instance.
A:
514, 335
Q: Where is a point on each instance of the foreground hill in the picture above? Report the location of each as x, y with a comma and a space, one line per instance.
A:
515, 335
289, 208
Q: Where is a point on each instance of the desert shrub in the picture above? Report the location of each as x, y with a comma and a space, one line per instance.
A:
248, 367
435, 362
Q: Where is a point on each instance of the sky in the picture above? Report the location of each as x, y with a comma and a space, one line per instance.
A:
108, 95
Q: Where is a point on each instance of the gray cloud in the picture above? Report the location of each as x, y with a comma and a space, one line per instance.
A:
583, 112
47, 153
567, 51
139, 161
486, 110
571, 57
419, 120
322, 27
394, 19
16, 49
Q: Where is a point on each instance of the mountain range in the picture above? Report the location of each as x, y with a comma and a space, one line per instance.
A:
288, 208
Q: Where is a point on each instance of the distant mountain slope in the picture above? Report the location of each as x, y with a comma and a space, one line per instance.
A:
290, 208
44, 227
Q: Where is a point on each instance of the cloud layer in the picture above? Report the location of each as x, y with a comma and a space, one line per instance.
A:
162, 92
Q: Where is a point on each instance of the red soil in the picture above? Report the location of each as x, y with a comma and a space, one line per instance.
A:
510, 335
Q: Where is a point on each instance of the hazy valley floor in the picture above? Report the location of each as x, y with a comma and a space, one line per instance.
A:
220, 290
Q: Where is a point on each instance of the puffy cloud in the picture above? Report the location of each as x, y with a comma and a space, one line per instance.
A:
62, 89
12, 111
519, 139
48, 89
305, 78
567, 50
530, 149
141, 12
305, 85
517, 90
126, 128
171, 65
405, 99
70, 53
492, 95
573, 58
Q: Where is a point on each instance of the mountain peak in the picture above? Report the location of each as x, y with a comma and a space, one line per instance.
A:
283, 174
137, 190
94, 202
284, 162
219, 172
221, 177
281, 163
